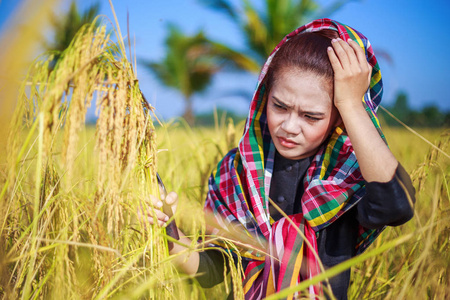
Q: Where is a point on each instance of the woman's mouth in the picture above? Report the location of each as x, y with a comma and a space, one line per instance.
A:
286, 143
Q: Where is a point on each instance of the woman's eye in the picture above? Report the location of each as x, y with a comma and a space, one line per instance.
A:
279, 106
312, 118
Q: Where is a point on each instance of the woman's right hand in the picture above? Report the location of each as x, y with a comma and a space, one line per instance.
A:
187, 261
146, 213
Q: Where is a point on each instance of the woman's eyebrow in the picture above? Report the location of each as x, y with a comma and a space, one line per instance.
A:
313, 113
279, 102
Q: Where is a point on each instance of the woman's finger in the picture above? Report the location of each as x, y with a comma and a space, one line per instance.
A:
172, 198
360, 54
156, 202
159, 215
362, 65
353, 51
149, 211
149, 215
341, 53
350, 51
151, 221
334, 60
172, 201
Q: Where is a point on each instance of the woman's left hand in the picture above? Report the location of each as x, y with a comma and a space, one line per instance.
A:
351, 73
351, 80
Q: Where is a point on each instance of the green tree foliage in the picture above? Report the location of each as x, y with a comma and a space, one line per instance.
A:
401, 108
219, 116
429, 116
67, 26
190, 63
264, 29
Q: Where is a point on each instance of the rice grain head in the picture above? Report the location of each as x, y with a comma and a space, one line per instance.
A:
70, 221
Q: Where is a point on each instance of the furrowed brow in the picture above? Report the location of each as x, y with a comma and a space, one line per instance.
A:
279, 102
312, 113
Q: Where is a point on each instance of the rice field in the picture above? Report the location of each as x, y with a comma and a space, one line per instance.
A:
71, 194
413, 260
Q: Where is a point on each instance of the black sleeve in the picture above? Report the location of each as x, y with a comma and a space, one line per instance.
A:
387, 203
211, 267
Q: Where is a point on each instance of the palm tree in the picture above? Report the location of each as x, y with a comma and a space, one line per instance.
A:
67, 26
263, 30
191, 62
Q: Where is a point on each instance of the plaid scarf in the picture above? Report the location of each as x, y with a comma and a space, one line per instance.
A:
239, 187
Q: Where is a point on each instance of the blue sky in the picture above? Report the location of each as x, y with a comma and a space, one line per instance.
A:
413, 32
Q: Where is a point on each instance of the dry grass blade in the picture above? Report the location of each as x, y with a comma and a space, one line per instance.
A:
236, 234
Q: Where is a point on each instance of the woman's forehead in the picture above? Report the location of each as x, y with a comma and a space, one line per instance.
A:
304, 89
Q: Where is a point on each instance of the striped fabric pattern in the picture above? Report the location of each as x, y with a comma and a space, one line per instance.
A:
239, 187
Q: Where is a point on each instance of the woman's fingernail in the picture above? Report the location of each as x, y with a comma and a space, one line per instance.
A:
159, 204
166, 218
329, 48
334, 40
349, 40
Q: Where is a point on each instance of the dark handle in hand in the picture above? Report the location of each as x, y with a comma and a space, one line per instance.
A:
171, 228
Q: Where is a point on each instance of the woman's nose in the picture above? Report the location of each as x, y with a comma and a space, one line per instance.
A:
291, 125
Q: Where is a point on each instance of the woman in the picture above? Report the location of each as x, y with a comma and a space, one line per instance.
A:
313, 145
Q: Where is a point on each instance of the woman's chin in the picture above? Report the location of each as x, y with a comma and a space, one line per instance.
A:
292, 154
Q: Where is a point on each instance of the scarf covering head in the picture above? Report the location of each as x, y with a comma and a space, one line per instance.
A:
239, 187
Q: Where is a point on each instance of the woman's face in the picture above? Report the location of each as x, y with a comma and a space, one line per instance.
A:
300, 113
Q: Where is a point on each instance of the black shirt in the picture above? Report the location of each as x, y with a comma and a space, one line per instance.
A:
383, 204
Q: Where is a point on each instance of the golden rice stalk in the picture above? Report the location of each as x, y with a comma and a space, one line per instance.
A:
69, 227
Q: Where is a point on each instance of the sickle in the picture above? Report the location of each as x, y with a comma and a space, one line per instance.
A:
171, 228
